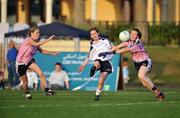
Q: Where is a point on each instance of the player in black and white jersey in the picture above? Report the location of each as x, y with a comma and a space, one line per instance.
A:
98, 45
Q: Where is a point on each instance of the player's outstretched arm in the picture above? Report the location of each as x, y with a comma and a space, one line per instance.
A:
47, 52
123, 50
119, 51
86, 61
114, 48
34, 43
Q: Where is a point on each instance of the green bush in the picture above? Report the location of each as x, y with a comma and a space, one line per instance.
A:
164, 34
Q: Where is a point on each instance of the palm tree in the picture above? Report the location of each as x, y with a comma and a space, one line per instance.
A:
79, 12
140, 17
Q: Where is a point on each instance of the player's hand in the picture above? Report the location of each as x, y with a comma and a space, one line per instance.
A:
81, 68
55, 53
51, 37
114, 48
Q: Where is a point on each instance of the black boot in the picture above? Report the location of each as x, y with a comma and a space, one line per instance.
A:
92, 71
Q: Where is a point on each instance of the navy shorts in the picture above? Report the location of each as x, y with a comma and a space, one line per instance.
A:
106, 66
21, 69
147, 63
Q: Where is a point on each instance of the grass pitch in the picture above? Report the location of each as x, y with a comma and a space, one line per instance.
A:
131, 103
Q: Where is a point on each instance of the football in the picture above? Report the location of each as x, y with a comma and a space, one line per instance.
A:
124, 36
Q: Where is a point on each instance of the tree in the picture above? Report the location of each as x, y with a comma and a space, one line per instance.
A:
140, 18
79, 12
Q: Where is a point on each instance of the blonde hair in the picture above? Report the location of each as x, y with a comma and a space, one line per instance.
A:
31, 30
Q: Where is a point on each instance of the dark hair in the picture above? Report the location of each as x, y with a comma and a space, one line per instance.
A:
139, 33
31, 30
94, 28
59, 64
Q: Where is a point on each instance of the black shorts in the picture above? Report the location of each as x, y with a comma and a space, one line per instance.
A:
147, 63
21, 69
106, 66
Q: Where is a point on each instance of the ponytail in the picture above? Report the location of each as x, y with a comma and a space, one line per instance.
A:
138, 32
31, 30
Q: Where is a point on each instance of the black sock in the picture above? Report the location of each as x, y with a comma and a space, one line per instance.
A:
46, 89
27, 92
154, 88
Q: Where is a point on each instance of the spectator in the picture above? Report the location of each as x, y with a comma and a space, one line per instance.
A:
1, 80
59, 78
11, 58
32, 79
125, 70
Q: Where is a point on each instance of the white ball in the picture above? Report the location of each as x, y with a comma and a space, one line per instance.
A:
124, 36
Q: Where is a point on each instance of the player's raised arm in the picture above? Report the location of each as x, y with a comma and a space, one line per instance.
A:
47, 52
114, 48
35, 43
123, 50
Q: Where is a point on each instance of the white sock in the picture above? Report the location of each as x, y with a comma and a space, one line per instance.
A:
98, 92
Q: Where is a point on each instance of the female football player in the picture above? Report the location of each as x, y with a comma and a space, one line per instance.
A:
141, 60
25, 59
98, 45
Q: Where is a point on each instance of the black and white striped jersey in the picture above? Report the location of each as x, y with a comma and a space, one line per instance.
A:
103, 45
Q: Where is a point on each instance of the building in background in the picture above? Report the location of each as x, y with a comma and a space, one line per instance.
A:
34, 11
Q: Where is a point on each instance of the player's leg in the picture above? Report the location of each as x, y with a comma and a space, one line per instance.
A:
95, 67
24, 80
106, 68
102, 79
21, 71
34, 67
144, 79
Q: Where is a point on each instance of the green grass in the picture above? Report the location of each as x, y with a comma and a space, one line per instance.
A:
131, 103
166, 65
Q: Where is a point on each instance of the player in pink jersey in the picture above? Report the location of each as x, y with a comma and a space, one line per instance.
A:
25, 59
142, 62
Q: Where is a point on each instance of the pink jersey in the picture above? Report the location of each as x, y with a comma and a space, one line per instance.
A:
26, 52
137, 49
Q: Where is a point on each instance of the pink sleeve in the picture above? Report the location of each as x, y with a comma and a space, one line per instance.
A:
136, 48
124, 44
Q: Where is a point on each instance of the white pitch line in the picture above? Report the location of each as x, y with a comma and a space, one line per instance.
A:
82, 93
90, 105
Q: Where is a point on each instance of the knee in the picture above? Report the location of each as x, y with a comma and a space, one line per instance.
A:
144, 84
24, 82
142, 80
41, 74
141, 77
